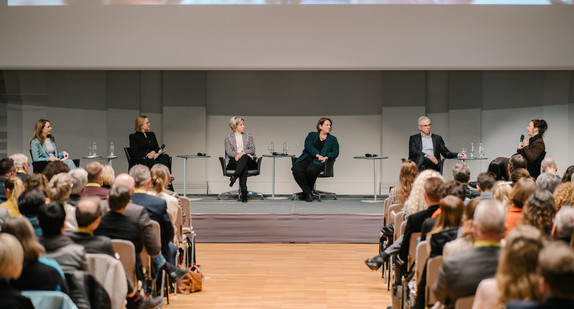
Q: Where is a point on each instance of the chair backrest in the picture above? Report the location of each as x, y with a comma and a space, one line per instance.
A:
394, 208
441, 165
422, 256
251, 172
433, 269
412, 246
178, 222
464, 302
157, 230
50, 299
110, 273
398, 218
128, 154
186, 208
38, 166
127, 255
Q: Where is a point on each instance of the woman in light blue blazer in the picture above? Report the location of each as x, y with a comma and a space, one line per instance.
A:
43, 145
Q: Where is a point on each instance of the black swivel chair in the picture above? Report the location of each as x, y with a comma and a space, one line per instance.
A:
328, 171
229, 173
132, 161
39, 166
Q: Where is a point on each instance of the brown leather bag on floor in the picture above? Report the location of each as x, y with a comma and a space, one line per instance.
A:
192, 282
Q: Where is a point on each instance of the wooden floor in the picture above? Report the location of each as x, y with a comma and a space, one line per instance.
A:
286, 276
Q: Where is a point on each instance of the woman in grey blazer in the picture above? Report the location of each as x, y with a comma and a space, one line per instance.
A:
239, 154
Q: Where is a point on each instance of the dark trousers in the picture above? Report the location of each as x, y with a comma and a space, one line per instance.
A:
424, 163
241, 167
305, 174
162, 159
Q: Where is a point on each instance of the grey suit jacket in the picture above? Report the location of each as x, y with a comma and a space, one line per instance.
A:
231, 146
461, 273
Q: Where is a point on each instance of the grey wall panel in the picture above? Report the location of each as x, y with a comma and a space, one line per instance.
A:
513, 89
404, 88
123, 90
465, 89
69, 89
185, 88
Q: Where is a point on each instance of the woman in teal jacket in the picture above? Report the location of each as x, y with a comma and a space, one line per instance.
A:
319, 147
43, 145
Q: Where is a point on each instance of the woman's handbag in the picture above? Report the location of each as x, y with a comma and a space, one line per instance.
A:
192, 282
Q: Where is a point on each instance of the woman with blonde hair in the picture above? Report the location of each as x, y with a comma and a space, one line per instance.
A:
516, 277
159, 182
416, 201
11, 257
501, 192
144, 145
59, 190
14, 187
400, 193
239, 154
521, 192
108, 176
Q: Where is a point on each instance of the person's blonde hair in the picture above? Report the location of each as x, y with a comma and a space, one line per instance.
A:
407, 175
235, 121
140, 120
108, 175
16, 187
517, 275
416, 201
22, 229
539, 211
60, 188
501, 192
159, 177
11, 257
564, 195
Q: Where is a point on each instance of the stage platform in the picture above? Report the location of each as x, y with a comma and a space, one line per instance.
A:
345, 220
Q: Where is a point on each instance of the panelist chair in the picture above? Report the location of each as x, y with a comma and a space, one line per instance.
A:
132, 161
229, 172
328, 171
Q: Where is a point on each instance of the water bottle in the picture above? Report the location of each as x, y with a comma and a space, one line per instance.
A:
94, 149
112, 149
480, 151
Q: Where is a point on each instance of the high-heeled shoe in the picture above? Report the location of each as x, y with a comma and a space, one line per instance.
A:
232, 180
244, 196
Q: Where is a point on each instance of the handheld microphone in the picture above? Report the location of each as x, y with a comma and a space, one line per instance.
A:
161, 148
522, 138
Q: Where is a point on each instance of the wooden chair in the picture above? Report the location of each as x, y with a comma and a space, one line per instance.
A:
126, 253
464, 302
110, 273
433, 269
412, 247
165, 276
188, 234
422, 256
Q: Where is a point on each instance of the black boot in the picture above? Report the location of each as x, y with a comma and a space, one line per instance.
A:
309, 197
244, 196
232, 180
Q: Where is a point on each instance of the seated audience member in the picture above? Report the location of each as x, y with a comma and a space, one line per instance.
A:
88, 216
567, 176
465, 238
521, 191
499, 169
563, 227
501, 192
108, 176
400, 193
549, 166
564, 195
516, 161
159, 182
11, 257
14, 188
79, 178
484, 184
513, 281
461, 273
461, 173
21, 162
58, 246
547, 181
116, 224
539, 212
39, 273
518, 174
556, 269
95, 181
28, 203
451, 187
156, 208
38, 181
59, 190
55, 168
7, 169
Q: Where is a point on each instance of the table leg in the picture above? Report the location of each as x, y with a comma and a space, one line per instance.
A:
374, 200
273, 184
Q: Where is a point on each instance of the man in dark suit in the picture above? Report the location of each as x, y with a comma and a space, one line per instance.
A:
556, 269
425, 148
156, 208
461, 273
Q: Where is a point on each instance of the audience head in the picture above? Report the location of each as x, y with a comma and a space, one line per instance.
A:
564, 195
489, 220
452, 209
516, 161
549, 166
321, 122
54, 168
564, 224
485, 182
94, 170
556, 267
141, 175
453, 187
461, 172
567, 176
126, 180
519, 280
539, 126
119, 197
37, 181
30, 201
39, 127
7, 168
21, 161
408, 173
235, 121
518, 174
11, 257
539, 211
22, 229
51, 218
140, 122
501, 191
79, 179
159, 177
416, 200
433, 192
499, 169
60, 188
547, 181
88, 211
108, 176
521, 191
14, 187
468, 217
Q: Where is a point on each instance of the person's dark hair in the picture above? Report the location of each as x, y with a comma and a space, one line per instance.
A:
30, 201
499, 170
54, 168
86, 215
432, 188
567, 176
556, 266
541, 125
322, 121
51, 218
485, 181
6, 165
539, 211
119, 197
461, 172
454, 188
518, 174
522, 191
517, 161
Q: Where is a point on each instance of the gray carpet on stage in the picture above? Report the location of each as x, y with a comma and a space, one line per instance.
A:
345, 220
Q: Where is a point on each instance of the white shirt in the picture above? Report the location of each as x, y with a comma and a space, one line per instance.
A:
239, 142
